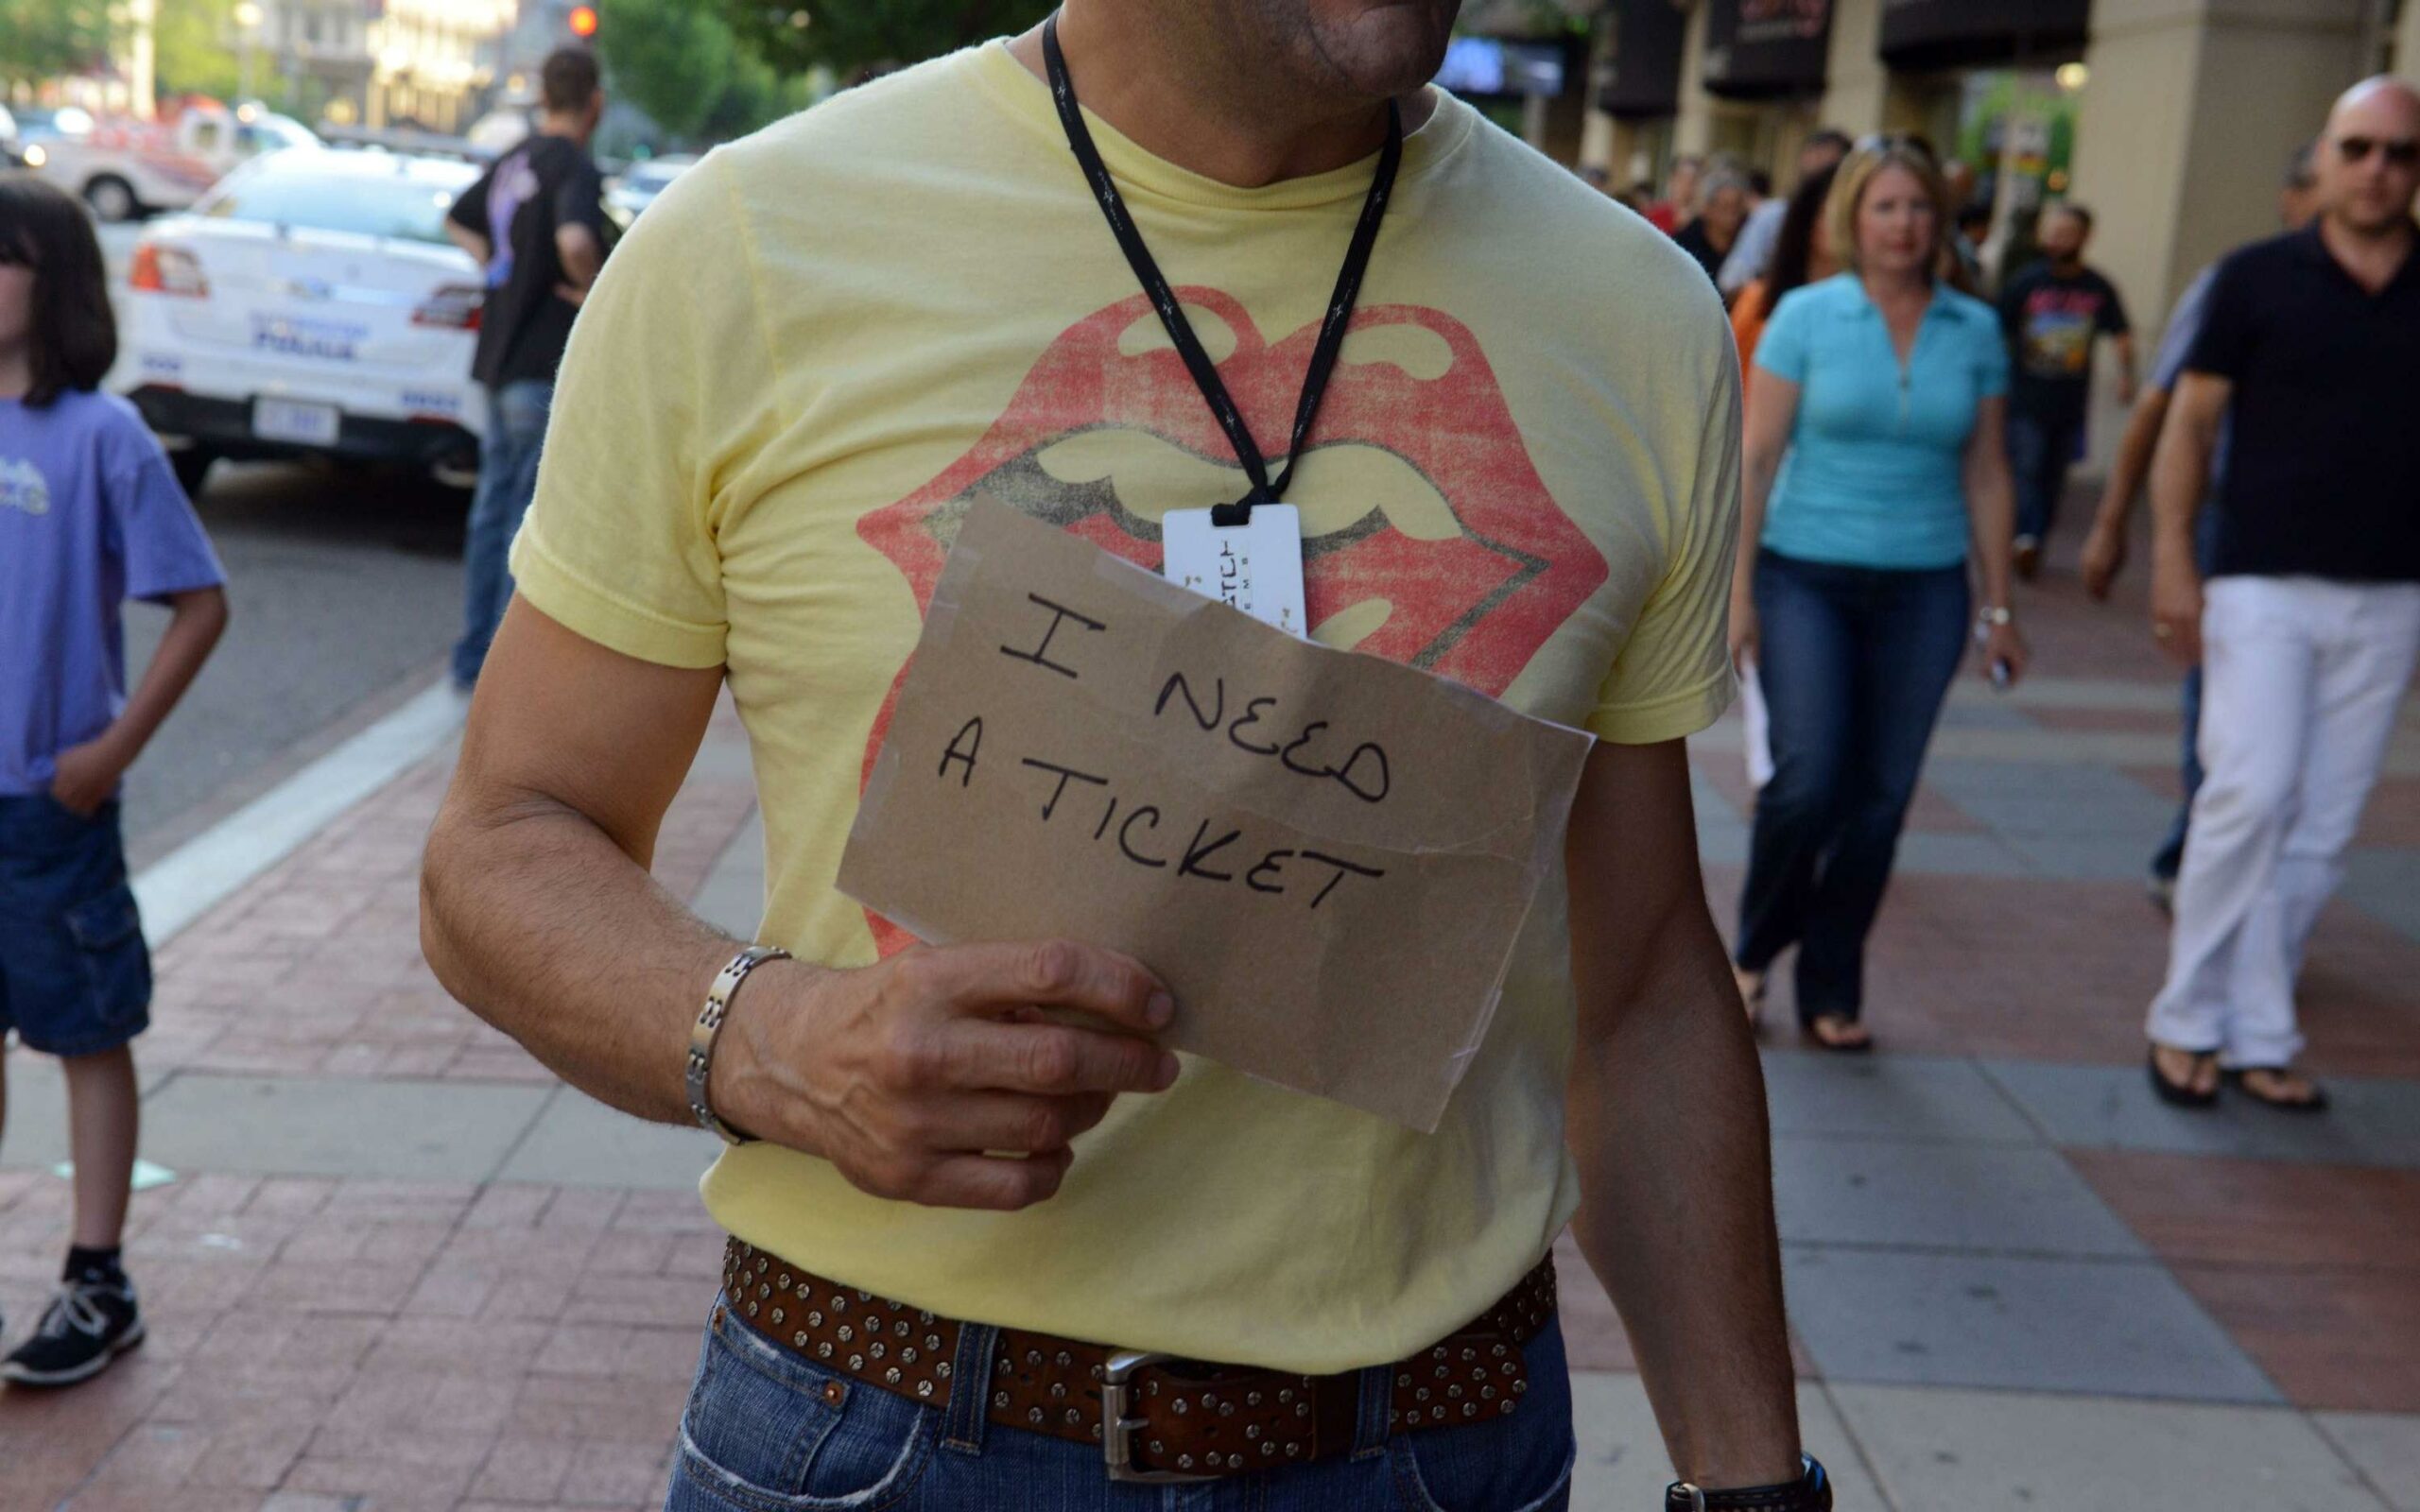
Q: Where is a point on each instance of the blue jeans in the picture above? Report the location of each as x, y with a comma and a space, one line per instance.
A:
507, 481
1855, 662
768, 1431
2040, 449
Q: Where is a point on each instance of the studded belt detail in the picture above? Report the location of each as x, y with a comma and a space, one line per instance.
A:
1156, 1417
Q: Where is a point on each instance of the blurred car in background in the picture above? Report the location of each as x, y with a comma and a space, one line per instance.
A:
311, 305
124, 168
635, 187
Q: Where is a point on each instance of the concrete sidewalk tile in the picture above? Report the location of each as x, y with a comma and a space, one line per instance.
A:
2386, 1448
2020, 1452
2329, 1338
311, 1126
579, 1141
614, 1472
1816, 1095
1951, 1196
2262, 1212
472, 1350
2371, 1122
598, 1407
1622, 1465
2112, 1327
2386, 885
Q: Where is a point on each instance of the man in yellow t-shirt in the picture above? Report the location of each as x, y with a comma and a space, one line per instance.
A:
798, 369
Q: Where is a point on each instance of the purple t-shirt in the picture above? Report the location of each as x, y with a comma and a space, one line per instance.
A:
90, 516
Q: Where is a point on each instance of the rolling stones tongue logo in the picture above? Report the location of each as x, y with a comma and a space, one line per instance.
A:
1458, 562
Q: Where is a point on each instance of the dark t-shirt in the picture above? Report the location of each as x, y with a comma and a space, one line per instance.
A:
2051, 319
545, 182
1694, 241
2323, 464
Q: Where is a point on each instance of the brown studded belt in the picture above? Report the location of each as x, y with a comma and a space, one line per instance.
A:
1155, 1417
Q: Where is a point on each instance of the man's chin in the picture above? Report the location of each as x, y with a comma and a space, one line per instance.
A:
1390, 50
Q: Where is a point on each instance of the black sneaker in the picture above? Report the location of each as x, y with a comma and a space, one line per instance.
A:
87, 1325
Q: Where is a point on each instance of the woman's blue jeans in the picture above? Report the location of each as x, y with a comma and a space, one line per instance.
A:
1855, 662
770, 1431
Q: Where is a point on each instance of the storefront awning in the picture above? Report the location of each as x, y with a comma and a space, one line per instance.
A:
1757, 48
1644, 76
1935, 34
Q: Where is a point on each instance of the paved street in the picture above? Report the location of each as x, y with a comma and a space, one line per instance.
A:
401, 1269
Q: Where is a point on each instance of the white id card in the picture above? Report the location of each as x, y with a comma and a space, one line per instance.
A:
1256, 568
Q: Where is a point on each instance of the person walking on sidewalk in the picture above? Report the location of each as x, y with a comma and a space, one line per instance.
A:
2054, 311
1752, 256
2104, 549
536, 222
2310, 624
774, 416
1722, 206
90, 516
1884, 387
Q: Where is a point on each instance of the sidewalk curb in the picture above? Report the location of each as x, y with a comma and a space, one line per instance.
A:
186, 883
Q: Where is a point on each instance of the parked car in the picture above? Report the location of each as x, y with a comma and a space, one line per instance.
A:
635, 187
123, 168
311, 305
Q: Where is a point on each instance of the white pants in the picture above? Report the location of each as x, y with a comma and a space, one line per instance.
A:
2301, 677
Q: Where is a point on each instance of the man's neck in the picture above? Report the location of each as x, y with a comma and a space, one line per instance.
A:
1135, 71
2372, 257
571, 128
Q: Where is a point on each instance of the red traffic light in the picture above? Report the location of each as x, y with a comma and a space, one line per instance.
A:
584, 21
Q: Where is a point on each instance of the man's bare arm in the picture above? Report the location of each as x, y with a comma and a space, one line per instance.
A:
2104, 549
920, 1077
2180, 476
581, 254
470, 240
1667, 1124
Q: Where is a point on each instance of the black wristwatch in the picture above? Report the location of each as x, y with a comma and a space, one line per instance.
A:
1810, 1492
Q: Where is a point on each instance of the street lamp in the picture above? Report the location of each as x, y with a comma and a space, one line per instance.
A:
246, 16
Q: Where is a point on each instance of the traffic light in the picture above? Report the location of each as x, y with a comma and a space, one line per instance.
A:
583, 21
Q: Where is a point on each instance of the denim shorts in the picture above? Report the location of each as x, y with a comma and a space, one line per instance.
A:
767, 1431
75, 975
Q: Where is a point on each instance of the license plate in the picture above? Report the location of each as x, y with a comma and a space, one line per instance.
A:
282, 420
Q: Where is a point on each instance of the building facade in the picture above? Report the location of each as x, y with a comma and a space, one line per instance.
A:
2174, 119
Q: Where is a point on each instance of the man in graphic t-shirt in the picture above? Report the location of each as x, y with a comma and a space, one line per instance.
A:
2054, 311
536, 222
962, 1207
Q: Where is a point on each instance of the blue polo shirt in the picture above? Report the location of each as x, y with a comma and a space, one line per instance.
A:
1875, 476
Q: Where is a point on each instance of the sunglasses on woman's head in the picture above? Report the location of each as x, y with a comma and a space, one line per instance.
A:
2402, 152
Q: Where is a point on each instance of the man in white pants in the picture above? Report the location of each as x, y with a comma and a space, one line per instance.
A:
2310, 624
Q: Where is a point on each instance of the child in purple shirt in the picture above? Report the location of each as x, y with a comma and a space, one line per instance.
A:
90, 516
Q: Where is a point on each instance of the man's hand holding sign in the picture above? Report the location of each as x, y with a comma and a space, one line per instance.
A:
1328, 856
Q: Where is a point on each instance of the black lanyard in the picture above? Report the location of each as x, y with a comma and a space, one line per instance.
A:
1188, 346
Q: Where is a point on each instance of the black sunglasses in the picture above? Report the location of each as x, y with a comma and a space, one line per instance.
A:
2402, 152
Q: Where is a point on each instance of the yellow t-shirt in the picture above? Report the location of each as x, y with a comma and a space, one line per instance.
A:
821, 341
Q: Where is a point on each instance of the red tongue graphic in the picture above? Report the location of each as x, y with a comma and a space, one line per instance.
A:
1475, 608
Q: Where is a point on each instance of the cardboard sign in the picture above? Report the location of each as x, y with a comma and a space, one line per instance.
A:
1326, 854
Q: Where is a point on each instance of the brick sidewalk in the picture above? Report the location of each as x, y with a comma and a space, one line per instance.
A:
2010, 1271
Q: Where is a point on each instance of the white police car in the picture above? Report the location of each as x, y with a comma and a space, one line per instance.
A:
311, 304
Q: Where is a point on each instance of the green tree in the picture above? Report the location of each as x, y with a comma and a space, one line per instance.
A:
672, 58
856, 37
193, 51
40, 38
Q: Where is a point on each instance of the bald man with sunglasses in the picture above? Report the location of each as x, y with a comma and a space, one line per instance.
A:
2308, 627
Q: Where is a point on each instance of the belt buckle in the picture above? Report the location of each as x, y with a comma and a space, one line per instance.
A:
1117, 1429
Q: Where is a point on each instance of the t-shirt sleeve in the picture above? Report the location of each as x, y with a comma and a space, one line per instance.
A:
2225, 342
1672, 677
2113, 309
470, 209
664, 394
153, 526
579, 199
2184, 326
1991, 360
1782, 349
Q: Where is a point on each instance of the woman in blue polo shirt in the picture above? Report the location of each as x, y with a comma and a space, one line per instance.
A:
1875, 472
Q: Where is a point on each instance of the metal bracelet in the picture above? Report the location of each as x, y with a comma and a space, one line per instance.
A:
709, 1027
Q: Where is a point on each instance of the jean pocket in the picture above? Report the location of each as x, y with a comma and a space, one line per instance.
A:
1521, 1462
107, 932
765, 1431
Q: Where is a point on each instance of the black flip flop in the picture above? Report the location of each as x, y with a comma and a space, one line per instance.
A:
2178, 1094
2316, 1103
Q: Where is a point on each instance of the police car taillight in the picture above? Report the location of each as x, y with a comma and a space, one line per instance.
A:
163, 269
454, 307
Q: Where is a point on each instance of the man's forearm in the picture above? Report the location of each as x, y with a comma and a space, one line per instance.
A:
536, 921
2131, 468
2180, 476
1668, 1123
